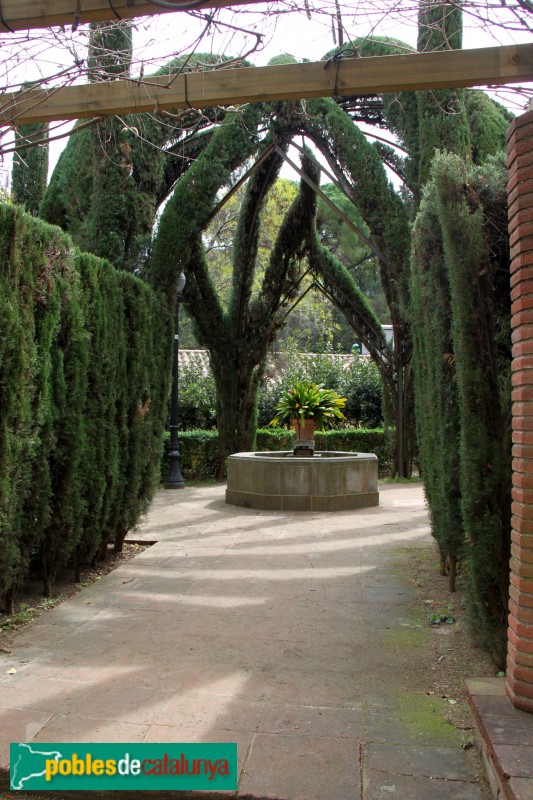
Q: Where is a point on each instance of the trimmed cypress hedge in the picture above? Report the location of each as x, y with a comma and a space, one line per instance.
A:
461, 306
198, 449
84, 360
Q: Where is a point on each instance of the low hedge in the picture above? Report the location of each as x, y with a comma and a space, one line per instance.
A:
358, 440
198, 449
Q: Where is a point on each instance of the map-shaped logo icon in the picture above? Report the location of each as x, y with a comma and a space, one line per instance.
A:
28, 762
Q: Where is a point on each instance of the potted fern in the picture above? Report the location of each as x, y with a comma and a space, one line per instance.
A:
308, 406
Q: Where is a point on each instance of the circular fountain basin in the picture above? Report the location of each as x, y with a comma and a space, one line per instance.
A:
328, 481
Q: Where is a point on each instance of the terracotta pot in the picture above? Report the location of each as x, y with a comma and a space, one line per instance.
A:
304, 430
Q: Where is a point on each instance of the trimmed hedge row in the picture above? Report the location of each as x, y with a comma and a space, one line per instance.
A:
83, 389
198, 449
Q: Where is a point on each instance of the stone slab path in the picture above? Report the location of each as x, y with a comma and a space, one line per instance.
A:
292, 634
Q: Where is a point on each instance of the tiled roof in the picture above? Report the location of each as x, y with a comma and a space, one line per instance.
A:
275, 362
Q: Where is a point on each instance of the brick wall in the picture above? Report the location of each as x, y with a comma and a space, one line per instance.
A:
520, 633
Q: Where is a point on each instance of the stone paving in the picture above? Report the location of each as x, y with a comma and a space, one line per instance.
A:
292, 634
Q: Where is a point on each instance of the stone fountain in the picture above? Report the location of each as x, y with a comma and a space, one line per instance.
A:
322, 481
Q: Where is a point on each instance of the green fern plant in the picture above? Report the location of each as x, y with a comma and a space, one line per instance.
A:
307, 400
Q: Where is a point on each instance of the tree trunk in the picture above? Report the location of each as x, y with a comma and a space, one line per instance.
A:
47, 584
443, 564
9, 601
452, 573
236, 411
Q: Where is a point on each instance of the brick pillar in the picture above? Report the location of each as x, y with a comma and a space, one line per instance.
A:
520, 631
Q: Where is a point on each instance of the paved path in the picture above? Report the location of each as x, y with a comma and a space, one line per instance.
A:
292, 634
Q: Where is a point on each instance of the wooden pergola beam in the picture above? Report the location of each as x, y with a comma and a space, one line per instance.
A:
357, 76
18, 15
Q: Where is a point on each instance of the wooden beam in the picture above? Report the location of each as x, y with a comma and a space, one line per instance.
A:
18, 15
357, 76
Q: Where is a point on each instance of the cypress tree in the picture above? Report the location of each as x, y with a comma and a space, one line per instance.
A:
436, 401
104, 313
32, 255
30, 166
488, 122
358, 167
110, 217
69, 358
442, 121
83, 373
18, 435
146, 366
472, 215
238, 335
111, 178
67, 199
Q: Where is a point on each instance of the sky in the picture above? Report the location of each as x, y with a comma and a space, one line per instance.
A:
158, 39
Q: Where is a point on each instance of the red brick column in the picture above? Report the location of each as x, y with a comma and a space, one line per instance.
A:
520, 632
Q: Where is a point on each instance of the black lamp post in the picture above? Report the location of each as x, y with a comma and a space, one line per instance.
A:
174, 479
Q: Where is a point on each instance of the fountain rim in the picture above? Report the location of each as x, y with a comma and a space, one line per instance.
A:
320, 456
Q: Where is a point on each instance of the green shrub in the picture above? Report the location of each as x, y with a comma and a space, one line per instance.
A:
198, 449
461, 307
358, 440
275, 439
198, 454
83, 390
197, 396
360, 383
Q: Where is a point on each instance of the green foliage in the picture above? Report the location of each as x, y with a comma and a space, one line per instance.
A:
142, 401
68, 376
442, 122
68, 196
360, 383
237, 331
198, 454
489, 122
358, 440
198, 448
442, 615
477, 260
103, 309
307, 400
349, 249
30, 166
219, 236
440, 26
83, 366
197, 396
275, 439
460, 264
363, 387
110, 222
436, 399
112, 176
386, 217
110, 50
